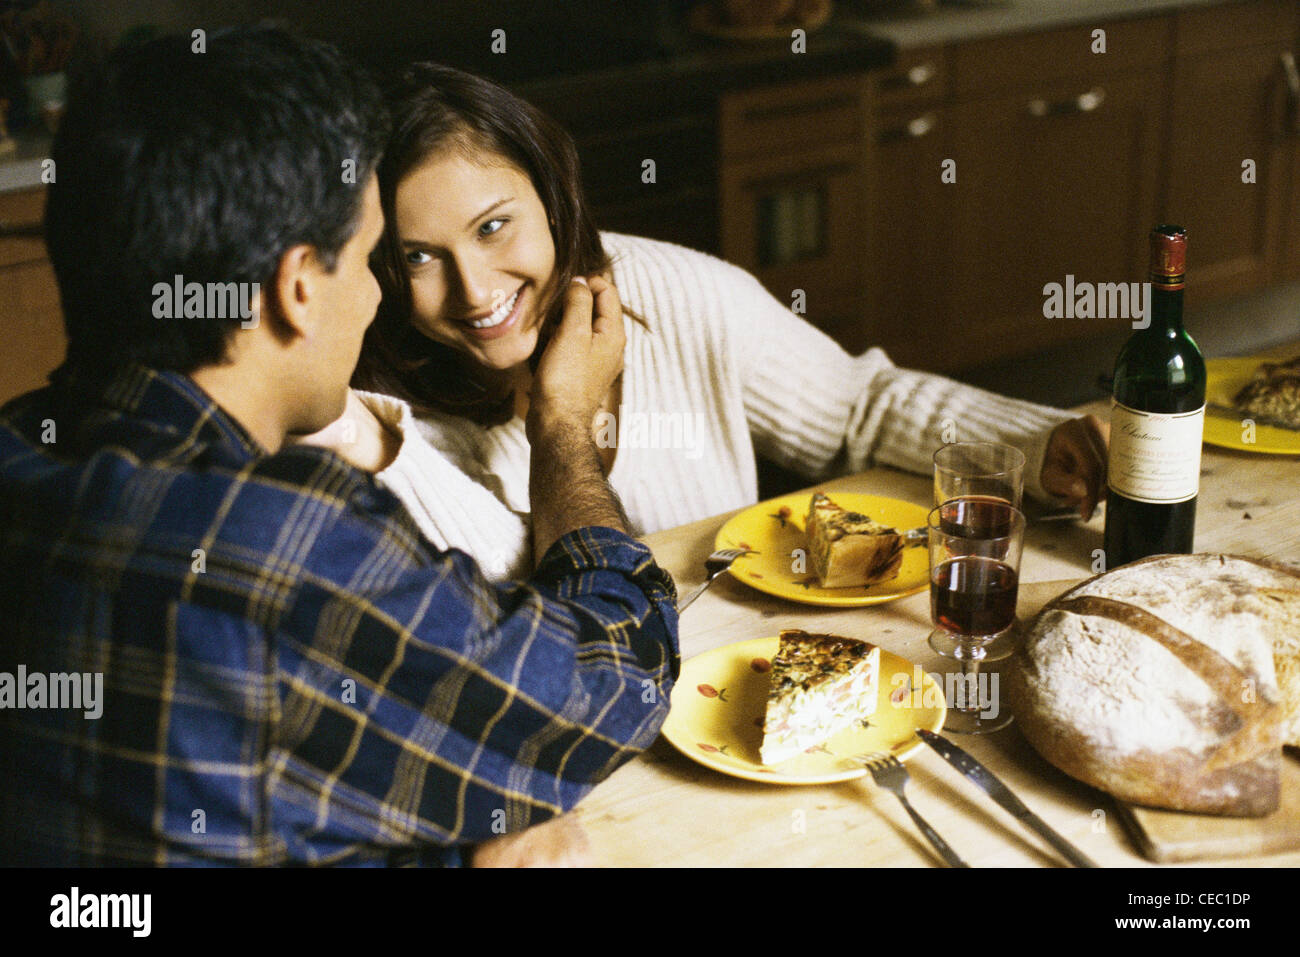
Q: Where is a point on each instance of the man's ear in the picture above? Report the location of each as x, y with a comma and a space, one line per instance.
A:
289, 302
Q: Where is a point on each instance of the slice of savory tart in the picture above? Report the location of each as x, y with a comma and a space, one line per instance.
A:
821, 684
848, 548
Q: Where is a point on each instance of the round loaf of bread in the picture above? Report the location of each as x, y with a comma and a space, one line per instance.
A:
1157, 682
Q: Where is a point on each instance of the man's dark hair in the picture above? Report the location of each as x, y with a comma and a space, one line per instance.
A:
209, 165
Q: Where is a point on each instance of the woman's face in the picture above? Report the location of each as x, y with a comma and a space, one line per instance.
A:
478, 249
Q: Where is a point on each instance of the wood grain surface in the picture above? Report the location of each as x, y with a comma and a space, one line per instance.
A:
664, 809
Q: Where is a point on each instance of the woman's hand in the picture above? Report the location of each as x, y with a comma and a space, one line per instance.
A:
358, 436
1074, 466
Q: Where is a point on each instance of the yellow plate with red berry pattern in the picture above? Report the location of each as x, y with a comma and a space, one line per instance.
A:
720, 698
781, 563
1223, 380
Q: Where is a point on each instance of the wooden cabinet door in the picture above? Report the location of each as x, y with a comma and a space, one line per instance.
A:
1224, 131
1057, 181
1285, 239
31, 324
795, 222
790, 185
909, 237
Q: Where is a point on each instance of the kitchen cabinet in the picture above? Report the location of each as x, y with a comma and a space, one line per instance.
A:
1062, 154
1230, 106
792, 183
1053, 156
907, 236
30, 318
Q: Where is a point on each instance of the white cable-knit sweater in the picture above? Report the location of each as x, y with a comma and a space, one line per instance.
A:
720, 369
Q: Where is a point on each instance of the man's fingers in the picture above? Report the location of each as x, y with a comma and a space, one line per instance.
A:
608, 316
577, 309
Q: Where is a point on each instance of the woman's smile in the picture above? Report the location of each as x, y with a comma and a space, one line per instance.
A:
478, 249
501, 320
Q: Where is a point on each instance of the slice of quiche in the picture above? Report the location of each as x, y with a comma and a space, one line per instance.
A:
1273, 394
849, 549
821, 684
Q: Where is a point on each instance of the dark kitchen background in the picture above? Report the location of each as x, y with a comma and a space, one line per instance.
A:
821, 170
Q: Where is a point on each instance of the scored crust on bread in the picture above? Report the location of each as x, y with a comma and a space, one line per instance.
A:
1282, 608
1156, 682
848, 548
820, 685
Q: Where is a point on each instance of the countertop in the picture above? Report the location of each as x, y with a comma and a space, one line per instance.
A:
908, 27
21, 169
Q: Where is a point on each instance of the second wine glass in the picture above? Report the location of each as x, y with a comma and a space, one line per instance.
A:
975, 545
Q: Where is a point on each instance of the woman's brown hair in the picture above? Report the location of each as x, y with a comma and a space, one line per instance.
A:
435, 108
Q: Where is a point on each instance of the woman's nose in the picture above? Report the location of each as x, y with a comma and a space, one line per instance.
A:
475, 284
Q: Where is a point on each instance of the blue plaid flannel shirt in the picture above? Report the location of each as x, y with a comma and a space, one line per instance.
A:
291, 674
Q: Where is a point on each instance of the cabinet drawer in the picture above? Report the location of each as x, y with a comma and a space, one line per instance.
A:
984, 67
789, 119
917, 76
21, 216
1236, 25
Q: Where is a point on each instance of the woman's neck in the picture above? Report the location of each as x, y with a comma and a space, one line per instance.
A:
521, 381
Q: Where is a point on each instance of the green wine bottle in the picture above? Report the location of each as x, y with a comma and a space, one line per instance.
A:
1157, 418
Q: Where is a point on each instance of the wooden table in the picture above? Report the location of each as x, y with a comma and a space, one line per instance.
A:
663, 809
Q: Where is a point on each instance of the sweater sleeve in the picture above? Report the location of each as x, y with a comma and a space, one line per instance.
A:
814, 408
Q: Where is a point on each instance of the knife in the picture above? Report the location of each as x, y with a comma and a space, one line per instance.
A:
995, 789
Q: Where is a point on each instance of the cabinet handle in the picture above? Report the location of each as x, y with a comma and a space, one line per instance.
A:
1292, 91
34, 230
919, 75
913, 129
1083, 103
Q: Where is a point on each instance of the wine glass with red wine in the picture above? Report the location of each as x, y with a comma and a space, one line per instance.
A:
975, 546
979, 468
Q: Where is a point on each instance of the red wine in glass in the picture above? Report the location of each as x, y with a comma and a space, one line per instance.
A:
973, 596
976, 516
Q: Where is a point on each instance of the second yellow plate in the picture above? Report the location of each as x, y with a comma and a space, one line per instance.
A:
720, 698
1223, 380
775, 531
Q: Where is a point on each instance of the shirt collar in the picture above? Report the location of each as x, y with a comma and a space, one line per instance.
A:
165, 399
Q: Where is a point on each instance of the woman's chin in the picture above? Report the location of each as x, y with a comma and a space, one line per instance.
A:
504, 354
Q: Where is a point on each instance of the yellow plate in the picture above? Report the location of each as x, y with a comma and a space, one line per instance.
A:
774, 537
1224, 378
719, 701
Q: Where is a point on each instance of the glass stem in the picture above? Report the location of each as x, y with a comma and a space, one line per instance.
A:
970, 657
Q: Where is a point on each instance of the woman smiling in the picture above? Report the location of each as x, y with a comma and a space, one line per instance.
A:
486, 225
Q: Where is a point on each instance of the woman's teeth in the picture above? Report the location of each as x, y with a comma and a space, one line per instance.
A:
499, 315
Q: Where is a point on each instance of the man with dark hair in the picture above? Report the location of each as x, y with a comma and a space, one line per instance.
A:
271, 665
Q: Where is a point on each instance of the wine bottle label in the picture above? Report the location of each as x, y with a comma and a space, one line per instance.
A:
1155, 458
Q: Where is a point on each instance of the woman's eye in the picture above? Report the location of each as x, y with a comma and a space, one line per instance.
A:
491, 227
415, 257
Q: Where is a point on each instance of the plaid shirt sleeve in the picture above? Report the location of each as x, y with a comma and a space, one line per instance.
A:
422, 704
291, 673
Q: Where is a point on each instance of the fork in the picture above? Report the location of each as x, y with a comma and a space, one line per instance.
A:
888, 772
714, 565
